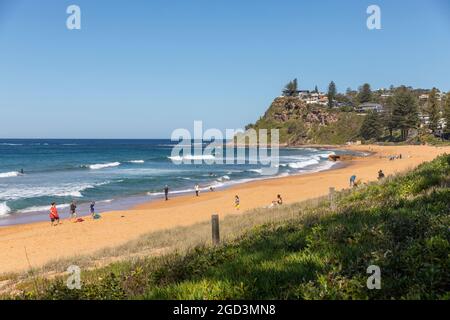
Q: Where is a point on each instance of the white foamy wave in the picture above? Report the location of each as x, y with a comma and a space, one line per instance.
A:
324, 155
302, 164
9, 174
192, 157
103, 165
63, 190
170, 192
255, 170
74, 193
10, 144
106, 201
223, 178
43, 208
325, 166
4, 209
136, 161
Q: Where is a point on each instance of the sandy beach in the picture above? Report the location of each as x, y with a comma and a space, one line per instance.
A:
22, 246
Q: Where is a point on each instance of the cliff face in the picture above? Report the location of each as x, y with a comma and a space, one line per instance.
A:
284, 109
300, 123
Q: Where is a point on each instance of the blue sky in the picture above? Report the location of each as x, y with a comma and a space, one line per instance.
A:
140, 69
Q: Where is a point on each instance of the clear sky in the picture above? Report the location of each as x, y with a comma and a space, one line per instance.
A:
140, 69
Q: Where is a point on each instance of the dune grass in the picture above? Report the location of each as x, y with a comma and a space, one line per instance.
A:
401, 225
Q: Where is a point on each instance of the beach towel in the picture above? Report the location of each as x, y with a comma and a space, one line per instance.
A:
79, 220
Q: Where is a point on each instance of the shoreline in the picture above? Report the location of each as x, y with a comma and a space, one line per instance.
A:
130, 202
44, 243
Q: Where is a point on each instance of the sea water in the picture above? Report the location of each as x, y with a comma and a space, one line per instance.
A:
117, 174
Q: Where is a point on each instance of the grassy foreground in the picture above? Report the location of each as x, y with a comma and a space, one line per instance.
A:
401, 225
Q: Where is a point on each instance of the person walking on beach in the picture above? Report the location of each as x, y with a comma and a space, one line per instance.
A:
197, 189
166, 192
92, 208
236, 202
73, 208
352, 181
54, 217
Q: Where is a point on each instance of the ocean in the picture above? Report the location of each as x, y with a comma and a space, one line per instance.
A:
116, 174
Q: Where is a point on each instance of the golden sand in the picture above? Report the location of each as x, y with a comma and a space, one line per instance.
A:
44, 243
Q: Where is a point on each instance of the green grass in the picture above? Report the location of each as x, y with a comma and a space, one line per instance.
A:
401, 225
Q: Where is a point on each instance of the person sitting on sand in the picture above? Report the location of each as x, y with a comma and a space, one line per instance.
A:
197, 189
211, 188
73, 208
279, 200
236, 202
54, 217
352, 181
380, 175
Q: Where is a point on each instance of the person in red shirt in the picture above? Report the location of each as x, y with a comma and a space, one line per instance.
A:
54, 217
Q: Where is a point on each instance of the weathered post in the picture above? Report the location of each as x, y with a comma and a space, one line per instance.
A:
215, 229
332, 198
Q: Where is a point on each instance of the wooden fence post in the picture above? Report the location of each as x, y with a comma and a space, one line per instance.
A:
332, 198
215, 229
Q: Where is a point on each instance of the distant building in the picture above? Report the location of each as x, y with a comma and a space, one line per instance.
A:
311, 97
424, 120
368, 106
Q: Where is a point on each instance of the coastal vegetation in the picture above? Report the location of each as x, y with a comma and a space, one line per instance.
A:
399, 224
395, 115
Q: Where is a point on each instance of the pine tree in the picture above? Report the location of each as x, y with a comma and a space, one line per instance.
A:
446, 113
371, 127
433, 111
387, 116
291, 89
365, 93
331, 94
316, 90
404, 111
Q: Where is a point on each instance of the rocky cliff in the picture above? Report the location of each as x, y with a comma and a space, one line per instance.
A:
301, 123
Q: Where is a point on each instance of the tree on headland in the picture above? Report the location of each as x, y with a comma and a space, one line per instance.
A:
433, 111
316, 90
365, 93
291, 89
331, 93
446, 113
372, 127
404, 111
387, 116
